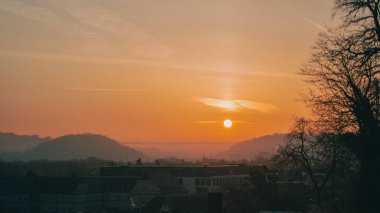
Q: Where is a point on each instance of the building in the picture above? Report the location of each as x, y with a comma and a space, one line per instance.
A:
193, 178
155, 184
122, 189
66, 194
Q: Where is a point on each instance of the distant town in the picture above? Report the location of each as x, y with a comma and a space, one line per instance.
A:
176, 186
33, 180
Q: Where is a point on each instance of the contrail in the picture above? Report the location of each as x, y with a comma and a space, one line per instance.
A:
315, 24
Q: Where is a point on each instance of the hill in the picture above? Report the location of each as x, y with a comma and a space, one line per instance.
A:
80, 146
10, 142
256, 147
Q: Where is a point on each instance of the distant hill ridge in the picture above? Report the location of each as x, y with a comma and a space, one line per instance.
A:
256, 147
81, 146
10, 142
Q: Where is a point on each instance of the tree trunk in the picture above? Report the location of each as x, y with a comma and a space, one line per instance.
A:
369, 156
370, 175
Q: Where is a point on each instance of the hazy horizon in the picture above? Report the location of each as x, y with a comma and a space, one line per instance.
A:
154, 149
155, 71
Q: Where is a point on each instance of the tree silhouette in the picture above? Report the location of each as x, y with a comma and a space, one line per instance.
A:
344, 73
305, 151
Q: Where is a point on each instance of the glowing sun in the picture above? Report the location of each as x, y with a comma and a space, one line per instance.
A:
227, 123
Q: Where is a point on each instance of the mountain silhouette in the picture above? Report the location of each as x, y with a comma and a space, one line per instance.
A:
81, 146
257, 147
10, 142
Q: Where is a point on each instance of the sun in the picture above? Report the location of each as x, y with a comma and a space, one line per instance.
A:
227, 123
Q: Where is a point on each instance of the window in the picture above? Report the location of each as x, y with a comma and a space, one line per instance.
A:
197, 182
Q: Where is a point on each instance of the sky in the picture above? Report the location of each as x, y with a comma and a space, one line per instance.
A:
148, 70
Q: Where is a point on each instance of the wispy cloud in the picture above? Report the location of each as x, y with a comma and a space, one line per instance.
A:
235, 105
119, 31
208, 122
96, 29
248, 122
97, 34
84, 89
219, 103
258, 106
221, 121
119, 60
233, 71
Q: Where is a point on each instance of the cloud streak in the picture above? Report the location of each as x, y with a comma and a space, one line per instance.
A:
119, 60
315, 24
236, 105
93, 28
100, 35
233, 121
84, 89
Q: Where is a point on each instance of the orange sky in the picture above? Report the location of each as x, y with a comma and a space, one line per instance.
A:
168, 70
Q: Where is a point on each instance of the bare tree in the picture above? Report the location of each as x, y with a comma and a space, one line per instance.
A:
344, 74
362, 19
320, 154
344, 92
306, 153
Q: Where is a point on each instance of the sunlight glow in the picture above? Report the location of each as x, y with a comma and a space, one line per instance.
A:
238, 104
227, 123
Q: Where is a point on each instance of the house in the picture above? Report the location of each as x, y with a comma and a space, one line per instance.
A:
193, 178
154, 184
